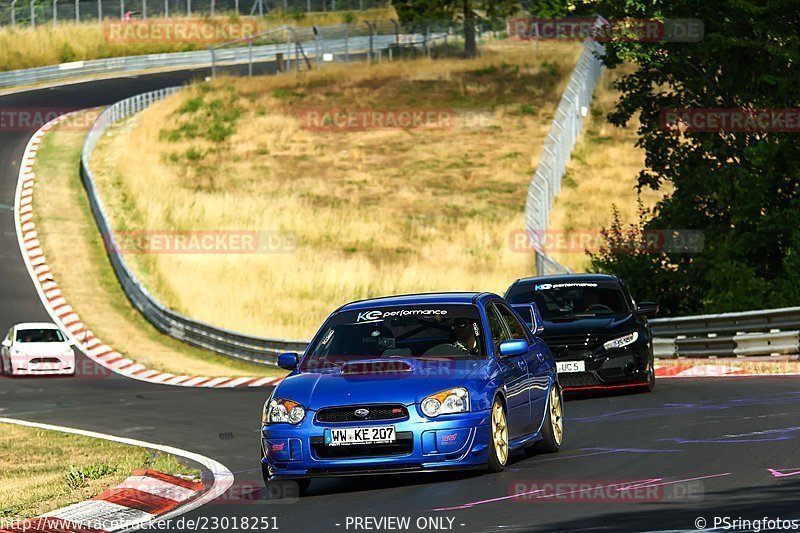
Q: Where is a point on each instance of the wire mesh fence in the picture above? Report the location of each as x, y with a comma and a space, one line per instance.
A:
41, 12
564, 132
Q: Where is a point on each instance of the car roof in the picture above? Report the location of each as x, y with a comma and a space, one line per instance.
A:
439, 298
36, 325
562, 278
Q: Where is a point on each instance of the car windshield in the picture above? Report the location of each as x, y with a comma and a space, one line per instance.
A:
424, 332
40, 335
570, 300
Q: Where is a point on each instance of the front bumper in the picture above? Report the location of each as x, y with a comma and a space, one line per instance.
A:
63, 366
628, 366
449, 442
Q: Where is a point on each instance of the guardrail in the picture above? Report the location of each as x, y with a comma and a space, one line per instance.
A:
221, 341
753, 333
557, 150
180, 60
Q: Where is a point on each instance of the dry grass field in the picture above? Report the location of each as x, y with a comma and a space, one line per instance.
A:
26, 47
76, 255
601, 174
45, 470
364, 213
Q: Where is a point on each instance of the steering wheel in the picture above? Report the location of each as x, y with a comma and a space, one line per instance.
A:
600, 307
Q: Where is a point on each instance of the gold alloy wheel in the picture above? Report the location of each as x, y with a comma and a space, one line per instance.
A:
500, 433
556, 416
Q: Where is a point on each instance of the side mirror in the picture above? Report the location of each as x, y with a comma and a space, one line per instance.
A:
6, 343
288, 361
647, 308
513, 347
537, 325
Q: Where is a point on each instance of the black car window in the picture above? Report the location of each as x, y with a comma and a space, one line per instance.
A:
516, 328
496, 326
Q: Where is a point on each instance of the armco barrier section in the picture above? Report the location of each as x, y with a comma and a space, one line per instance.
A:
221, 341
752, 333
177, 60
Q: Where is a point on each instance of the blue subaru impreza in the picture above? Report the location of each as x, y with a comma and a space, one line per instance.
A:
413, 383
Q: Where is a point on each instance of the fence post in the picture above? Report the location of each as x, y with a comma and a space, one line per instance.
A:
371, 32
33, 14
122, 9
396, 31
250, 59
189, 7
213, 61
13, 13
144, 9
213, 7
100, 10
55, 12
166, 8
77, 11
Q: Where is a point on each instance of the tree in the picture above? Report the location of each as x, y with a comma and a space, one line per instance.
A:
741, 188
433, 13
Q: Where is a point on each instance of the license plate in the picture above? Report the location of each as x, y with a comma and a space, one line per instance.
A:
367, 435
567, 367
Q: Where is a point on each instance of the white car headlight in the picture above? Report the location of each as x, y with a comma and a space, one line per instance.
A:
287, 411
446, 402
619, 342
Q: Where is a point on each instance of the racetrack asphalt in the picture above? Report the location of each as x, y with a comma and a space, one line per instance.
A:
696, 448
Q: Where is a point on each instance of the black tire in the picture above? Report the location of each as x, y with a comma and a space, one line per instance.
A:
553, 426
302, 484
496, 462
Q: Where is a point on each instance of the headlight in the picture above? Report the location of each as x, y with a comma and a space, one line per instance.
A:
446, 402
621, 341
276, 411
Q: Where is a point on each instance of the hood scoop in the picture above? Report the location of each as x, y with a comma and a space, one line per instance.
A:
376, 366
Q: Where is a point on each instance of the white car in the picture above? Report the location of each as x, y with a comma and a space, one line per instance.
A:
35, 349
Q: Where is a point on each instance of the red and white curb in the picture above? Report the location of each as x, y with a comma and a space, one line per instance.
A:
60, 310
141, 498
144, 497
702, 369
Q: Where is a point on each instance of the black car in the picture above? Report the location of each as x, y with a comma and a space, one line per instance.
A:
599, 336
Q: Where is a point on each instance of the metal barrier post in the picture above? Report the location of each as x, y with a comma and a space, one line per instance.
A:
33, 13
78, 11
55, 12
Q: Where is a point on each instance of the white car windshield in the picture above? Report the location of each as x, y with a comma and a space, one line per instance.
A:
39, 335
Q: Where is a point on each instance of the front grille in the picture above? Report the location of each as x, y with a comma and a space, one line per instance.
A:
40, 360
335, 415
574, 346
403, 446
578, 379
